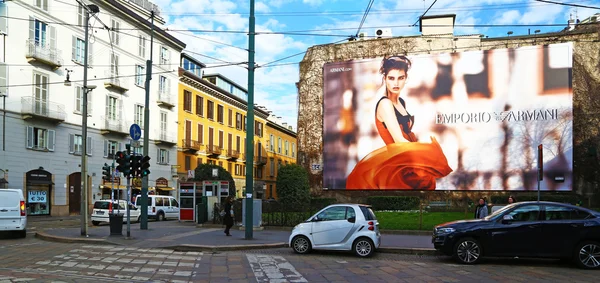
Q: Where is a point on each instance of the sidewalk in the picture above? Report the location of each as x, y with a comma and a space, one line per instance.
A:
186, 236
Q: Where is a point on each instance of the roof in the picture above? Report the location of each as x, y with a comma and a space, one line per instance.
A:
189, 57
225, 79
453, 16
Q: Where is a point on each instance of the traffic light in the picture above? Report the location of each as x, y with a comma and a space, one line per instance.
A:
106, 172
124, 163
135, 165
145, 164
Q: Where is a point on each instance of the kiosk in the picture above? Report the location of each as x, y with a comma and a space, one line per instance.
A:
198, 199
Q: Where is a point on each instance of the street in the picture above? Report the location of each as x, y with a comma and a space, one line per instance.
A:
35, 260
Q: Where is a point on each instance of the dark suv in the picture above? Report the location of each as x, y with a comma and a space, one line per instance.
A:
525, 229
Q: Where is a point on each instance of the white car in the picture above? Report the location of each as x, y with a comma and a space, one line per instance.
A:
343, 227
102, 208
13, 215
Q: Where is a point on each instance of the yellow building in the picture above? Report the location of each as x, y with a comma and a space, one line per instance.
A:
281, 148
212, 124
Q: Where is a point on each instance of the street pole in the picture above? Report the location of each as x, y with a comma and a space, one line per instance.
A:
144, 199
250, 129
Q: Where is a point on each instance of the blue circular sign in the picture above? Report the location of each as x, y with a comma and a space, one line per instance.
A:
135, 132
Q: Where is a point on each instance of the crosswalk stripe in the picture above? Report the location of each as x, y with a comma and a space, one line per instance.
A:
269, 268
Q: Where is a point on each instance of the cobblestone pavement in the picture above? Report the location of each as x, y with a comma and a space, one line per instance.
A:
34, 260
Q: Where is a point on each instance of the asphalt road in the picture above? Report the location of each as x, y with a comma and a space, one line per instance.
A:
35, 260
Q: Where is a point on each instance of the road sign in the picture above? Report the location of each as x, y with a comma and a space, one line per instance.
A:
135, 132
136, 144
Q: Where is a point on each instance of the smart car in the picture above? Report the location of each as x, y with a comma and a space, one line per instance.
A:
343, 227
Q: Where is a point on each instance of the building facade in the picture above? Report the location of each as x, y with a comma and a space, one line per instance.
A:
281, 149
42, 115
212, 129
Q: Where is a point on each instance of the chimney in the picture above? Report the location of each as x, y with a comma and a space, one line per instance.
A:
437, 24
284, 124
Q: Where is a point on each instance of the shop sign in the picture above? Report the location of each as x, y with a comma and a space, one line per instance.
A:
34, 196
162, 183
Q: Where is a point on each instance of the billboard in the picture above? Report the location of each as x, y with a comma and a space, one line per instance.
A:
456, 121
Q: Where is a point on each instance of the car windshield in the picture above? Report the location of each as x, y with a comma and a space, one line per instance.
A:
499, 211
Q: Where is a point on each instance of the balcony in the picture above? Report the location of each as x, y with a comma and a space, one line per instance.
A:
43, 53
190, 145
233, 154
260, 160
213, 150
165, 99
113, 81
162, 137
32, 107
116, 126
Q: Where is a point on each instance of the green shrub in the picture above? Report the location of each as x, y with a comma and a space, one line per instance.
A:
394, 202
571, 199
293, 189
318, 203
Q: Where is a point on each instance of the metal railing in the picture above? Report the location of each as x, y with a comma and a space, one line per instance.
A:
112, 78
43, 52
233, 153
187, 144
165, 137
164, 98
260, 160
213, 149
114, 125
42, 108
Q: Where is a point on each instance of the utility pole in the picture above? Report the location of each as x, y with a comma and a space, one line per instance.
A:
144, 199
250, 129
84, 190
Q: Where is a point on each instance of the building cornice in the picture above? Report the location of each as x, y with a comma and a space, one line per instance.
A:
281, 129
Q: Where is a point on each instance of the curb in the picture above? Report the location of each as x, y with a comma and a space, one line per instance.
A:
60, 239
409, 251
285, 228
198, 248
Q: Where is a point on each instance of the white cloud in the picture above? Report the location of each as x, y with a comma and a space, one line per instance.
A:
534, 15
508, 17
261, 7
313, 2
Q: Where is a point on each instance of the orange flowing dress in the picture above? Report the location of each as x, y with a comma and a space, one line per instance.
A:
400, 166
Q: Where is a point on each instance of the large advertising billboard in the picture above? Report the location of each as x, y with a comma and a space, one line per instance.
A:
456, 121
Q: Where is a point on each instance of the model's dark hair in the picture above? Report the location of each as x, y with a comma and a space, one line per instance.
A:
394, 63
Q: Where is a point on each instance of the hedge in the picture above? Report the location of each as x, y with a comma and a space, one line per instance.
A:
394, 202
322, 202
572, 199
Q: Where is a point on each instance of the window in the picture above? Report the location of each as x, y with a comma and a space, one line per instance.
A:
210, 112
163, 124
210, 137
80, 16
188, 130
272, 143
524, 213
333, 213
259, 172
258, 130
279, 145
139, 75
76, 144
40, 139
114, 65
165, 55
554, 212
42, 4
3, 78
221, 139
163, 85
200, 134
78, 50
238, 169
187, 101
229, 167
245, 122
238, 121
287, 148
198, 161
220, 163
114, 34
139, 150
293, 149
199, 105
142, 46
111, 108
230, 118
188, 161
41, 34
111, 147
272, 167
220, 114
79, 101
278, 164
237, 144
138, 115
40, 92
229, 142
163, 156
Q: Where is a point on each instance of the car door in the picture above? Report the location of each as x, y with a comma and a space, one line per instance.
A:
517, 232
564, 225
331, 226
174, 208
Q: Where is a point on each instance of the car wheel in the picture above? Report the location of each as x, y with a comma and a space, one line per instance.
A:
95, 223
363, 247
161, 217
587, 255
23, 234
301, 245
467, 251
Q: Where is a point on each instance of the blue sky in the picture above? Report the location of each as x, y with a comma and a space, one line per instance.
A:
220, 26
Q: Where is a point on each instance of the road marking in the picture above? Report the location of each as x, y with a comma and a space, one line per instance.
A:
268, 268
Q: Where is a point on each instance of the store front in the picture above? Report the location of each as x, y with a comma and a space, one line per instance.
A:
162, 187
38, 191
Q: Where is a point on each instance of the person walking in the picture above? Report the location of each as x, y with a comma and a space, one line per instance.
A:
481, 209
228, 217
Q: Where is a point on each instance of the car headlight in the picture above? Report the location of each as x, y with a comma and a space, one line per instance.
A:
445, 230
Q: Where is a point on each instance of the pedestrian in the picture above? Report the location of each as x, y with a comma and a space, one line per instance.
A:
511, 200
228, 216
481, 209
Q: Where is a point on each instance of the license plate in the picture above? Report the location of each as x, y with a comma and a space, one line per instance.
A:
99, 212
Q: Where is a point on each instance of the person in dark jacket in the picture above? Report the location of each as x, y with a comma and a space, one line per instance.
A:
481, 209
228, 217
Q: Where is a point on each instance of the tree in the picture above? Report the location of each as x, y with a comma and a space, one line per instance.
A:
204, 173
293, 189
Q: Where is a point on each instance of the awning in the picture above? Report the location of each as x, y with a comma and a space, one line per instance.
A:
164, 188
116, 187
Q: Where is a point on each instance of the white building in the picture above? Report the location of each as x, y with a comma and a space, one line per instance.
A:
41, 45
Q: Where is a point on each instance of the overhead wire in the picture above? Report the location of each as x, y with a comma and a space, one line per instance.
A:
569, 4
424, 13
364, 18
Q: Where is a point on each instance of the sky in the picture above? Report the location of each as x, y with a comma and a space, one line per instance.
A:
215, 32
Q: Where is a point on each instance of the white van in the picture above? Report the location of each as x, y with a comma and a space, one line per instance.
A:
13, 215
103, 207
160, 207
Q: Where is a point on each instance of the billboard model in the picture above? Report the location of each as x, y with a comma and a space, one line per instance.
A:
456, 121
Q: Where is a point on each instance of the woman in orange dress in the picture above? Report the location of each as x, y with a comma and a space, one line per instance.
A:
403, 163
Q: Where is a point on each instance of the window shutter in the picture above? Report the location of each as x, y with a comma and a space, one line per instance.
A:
107, 111
31, 30
51, 137
167, 157
158, 155
3, 79
90, 110
105, 148
71, 143
29, 141
120, 117
52, 37
74, 48
90, 146
90, 54
45, 5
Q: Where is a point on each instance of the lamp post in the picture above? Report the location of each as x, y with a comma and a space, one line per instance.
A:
89, 9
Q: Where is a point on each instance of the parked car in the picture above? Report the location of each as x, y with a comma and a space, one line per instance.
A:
525, 229
103, 207
160, 207
344, 227
13, 215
